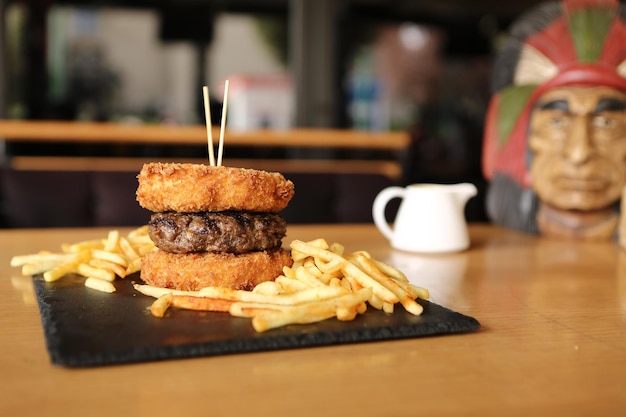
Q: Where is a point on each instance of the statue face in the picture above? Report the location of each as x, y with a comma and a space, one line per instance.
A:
578, 140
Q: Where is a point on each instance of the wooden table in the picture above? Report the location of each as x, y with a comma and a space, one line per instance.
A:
552, 343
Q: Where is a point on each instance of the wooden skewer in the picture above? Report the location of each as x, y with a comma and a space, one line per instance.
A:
209, 126
220, 150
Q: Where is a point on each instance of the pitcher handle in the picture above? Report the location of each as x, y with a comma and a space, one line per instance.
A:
378, 209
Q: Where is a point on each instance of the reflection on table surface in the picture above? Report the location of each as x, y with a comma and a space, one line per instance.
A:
552, 342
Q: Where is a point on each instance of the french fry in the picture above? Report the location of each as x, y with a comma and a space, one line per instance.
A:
375, 302
353, 283
306, 277
309, 265
99, 285
333, 266
199, 303
249, 310
156, 292
133, 266
160, 305
109, 256
300, 297
290, 272
82, 246
297, 254
112, 240
60, 271
128, 250
34, 269
344, 282
347, 267
269, 288
105, 259
361, 308
40, 258
421, 292
138, 233
407, 301
337, 248
63, 269
389, 270
362, 252
117, 269
366, 281
87, 270
290, 284
310, 312
145, 248
336, 282
307, 249
318, 243
346, 313
298, 315
388, 308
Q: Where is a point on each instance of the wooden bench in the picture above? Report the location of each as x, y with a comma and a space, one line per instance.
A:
77, 190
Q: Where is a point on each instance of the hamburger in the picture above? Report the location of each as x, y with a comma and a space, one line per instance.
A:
213, 225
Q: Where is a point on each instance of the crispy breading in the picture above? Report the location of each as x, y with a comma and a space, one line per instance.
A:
193, 271
193, 188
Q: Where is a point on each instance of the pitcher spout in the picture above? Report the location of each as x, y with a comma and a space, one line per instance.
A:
464, 191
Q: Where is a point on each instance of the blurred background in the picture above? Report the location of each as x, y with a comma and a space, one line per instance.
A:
415, 66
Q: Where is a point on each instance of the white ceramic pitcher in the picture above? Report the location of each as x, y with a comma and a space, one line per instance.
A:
430, 219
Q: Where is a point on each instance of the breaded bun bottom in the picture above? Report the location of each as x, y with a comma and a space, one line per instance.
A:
194, 271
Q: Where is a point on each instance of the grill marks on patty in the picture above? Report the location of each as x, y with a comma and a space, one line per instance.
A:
228, 231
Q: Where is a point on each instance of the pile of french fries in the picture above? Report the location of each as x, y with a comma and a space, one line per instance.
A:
100, 261
321, 284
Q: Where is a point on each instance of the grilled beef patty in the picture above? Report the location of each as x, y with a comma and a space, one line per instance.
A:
227, 231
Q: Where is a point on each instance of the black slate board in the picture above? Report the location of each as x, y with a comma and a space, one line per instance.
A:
84, 327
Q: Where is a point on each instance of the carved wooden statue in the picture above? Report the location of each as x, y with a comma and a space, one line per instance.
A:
555, 137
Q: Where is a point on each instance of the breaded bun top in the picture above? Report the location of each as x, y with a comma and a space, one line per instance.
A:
191, 188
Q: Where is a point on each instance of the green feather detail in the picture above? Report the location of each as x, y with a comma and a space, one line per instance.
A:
513, 100
589, 29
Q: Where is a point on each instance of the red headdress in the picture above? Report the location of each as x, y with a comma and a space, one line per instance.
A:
574, 42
